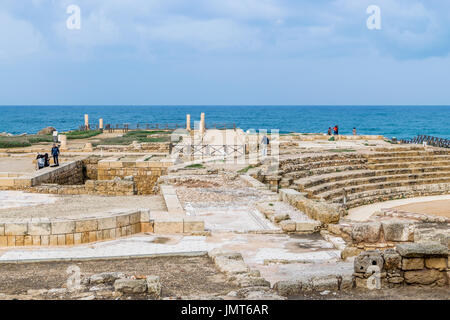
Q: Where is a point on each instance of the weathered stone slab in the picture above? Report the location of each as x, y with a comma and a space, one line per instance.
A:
395, 230
425, 277
366, 232
412, 264
419, 250
130, 286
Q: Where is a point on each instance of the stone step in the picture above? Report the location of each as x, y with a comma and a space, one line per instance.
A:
338, 193
410, 164
322, 164
317, 180
409, 159
320, 171
401, 154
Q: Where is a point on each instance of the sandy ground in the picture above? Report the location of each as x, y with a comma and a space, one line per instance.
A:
180, 276
17, 164
439, 208
73, 206
364, 212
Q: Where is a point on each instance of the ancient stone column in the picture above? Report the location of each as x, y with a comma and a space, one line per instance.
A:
202, 123
100, 124
188, 122
86, 121
63, 140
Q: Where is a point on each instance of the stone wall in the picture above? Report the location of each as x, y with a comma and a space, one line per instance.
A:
145, 173
56, 232
70, 173
66, 231
318, 210
90, 165
116, 187
422, 264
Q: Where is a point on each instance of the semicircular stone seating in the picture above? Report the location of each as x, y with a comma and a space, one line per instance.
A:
356, 179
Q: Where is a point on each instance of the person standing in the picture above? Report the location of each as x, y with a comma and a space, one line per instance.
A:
354, 131
336, 130
55, 154
264, 143
329, 131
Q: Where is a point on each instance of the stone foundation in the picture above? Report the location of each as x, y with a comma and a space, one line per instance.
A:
421, 264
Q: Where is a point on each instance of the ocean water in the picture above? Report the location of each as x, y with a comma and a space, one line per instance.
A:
390, 121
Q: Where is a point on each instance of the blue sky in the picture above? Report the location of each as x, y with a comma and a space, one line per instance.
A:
167, 52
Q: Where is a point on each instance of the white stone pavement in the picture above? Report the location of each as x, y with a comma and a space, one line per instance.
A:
14, 199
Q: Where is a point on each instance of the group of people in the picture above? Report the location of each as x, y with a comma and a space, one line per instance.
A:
335, 130
43, 160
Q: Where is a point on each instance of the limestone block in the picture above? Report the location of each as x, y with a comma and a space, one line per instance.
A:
3, 241
346, 282
123, 221
392, 260
193, 224
154, 286
53, 240
39, 229
2, 229
69, 239
105, 277
146, 227
20, 240
395, 230
61, 240
45, 240
436, 263
309, 226
288, 287
86, 225
419, 250
424, 277
366, 232
16, 229
367, 259
278, 217
412, 264
106, 223
325, 283
36, 240
130, 286
63, 227
246, 281
288, 225
168, 226
231, 266
350, 252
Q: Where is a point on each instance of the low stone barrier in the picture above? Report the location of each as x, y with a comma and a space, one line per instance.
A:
69, 173
145, 173
116, 187
318, 210
423, 264
60, 232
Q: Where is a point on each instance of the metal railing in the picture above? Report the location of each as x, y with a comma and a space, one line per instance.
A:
125, 127
208, 150
429, 140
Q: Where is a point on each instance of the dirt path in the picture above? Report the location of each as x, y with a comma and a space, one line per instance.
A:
438, 208
180, 276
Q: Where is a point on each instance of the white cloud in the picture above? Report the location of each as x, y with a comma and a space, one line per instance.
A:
17, 37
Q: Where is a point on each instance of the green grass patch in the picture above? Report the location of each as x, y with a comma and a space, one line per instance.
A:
128, 139
194, 166
78, 134
245, 170
23, 141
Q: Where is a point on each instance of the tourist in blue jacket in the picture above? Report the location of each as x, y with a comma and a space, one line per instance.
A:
55, 154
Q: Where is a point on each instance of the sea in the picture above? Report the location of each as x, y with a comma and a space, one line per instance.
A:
401, 122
